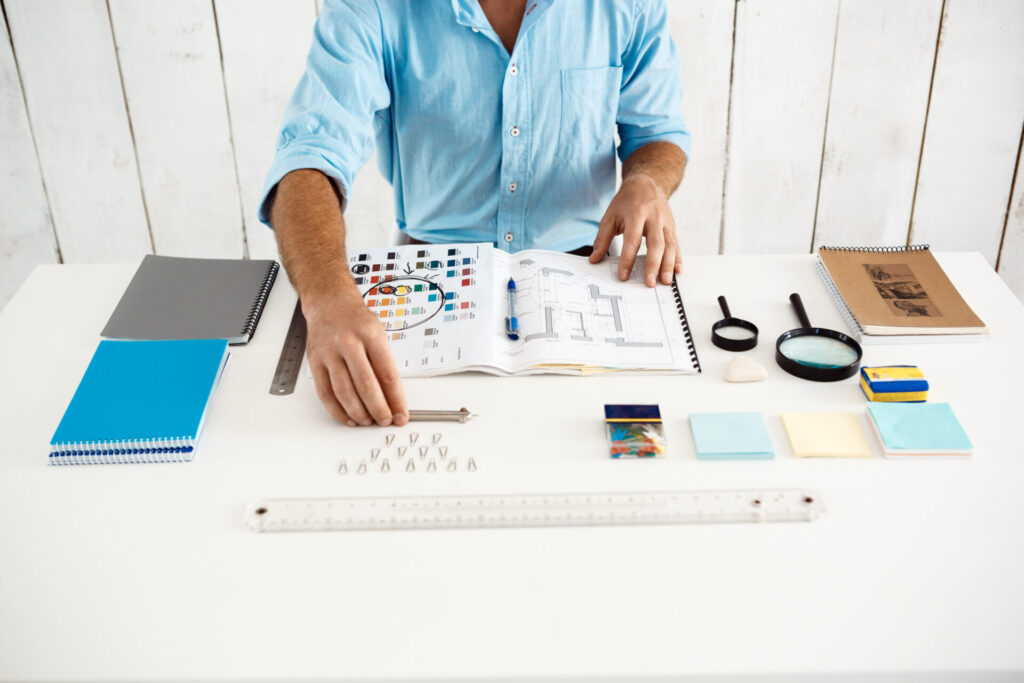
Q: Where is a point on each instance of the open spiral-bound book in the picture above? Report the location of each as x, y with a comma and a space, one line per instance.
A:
444, 307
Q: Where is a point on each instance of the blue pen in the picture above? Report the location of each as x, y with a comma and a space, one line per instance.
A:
511, 324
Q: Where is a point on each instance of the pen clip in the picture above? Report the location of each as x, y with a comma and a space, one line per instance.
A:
512, 328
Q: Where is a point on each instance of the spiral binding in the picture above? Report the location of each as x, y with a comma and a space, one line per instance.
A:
257, 306
837, 298
880, 250
686, 325
173, 449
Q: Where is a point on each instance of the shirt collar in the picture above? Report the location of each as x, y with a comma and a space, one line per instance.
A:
468, 13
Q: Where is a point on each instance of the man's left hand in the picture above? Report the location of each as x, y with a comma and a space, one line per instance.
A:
640, 212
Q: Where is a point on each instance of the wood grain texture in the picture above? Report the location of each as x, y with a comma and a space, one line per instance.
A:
264, 45
973, 129
26, 232
781, 70
170, 62
883, 65
76, 106
1011, 257
702, 30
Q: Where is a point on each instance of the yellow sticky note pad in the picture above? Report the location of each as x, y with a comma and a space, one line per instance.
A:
826, 435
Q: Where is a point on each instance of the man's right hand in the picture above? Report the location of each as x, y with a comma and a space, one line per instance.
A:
356, 375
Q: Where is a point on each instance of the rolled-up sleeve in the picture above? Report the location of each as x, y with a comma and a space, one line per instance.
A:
651, 96
328, 123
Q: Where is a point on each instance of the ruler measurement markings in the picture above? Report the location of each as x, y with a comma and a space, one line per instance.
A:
450, 512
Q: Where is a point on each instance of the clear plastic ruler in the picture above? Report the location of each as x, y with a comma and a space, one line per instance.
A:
533, 510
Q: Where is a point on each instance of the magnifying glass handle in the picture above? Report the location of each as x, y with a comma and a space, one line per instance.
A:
794, 298
725, 307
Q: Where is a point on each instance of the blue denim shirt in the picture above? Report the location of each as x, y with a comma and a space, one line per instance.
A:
481, 145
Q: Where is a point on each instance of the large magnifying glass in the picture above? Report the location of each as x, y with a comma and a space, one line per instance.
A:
733, 334
816, 353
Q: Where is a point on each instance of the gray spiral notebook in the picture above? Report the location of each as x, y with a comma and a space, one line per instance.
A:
193, 298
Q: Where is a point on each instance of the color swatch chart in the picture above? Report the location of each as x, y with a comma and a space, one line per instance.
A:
424, 294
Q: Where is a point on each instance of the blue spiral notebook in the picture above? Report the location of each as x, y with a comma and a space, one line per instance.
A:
140, 401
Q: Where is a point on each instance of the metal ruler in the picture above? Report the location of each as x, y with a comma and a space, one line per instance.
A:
290, 361
533, 510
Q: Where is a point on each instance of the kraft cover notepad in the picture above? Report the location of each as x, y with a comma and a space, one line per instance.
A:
825, 435
895, 292
193, 298
140, 401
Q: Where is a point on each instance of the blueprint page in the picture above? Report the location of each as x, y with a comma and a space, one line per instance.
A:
574, 314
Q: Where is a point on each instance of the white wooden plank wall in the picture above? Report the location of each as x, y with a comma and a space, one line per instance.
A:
129, 125
703, 33
170, 63
69, 72
879, 96
264, 45
783, 59
974, 127
26, 232
1011, 257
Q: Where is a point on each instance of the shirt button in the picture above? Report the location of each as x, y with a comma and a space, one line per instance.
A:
512, 187
515, 131
508, 237
513, 70
476, 30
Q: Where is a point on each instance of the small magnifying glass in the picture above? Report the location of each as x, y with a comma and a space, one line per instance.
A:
816, 353
733, 334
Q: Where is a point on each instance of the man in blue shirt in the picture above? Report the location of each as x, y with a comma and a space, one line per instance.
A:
494, 121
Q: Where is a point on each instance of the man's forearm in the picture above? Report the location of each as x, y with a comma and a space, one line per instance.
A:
662, 162
310, 232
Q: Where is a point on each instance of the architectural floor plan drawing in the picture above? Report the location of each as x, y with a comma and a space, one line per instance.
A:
570, 305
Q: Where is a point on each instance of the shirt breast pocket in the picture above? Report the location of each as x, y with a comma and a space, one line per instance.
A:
590, 99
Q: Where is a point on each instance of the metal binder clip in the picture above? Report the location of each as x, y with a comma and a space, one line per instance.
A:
374, 453
410, 466
343, 468
412, 437
389, 439
437, 438
362, 467
401, 451
471, 465
432, 466
451, 465
443, 450
385, 466
423, 451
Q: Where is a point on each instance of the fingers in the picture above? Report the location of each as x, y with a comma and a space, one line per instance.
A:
668, 262
632, 237
390, 383
655, 249
325, 391
346, 393
605, 235
365, 381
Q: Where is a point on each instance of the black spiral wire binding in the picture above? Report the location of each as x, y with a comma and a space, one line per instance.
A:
686, 325
880, 250
257, 306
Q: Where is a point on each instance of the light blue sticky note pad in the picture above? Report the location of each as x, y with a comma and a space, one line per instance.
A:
919, 427
731, 436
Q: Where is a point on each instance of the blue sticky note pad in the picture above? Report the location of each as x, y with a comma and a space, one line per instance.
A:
918, 427
731, 436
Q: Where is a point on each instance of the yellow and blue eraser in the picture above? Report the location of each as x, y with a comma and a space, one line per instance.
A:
894, 383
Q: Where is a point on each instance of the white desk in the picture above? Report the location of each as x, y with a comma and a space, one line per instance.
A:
147, 571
